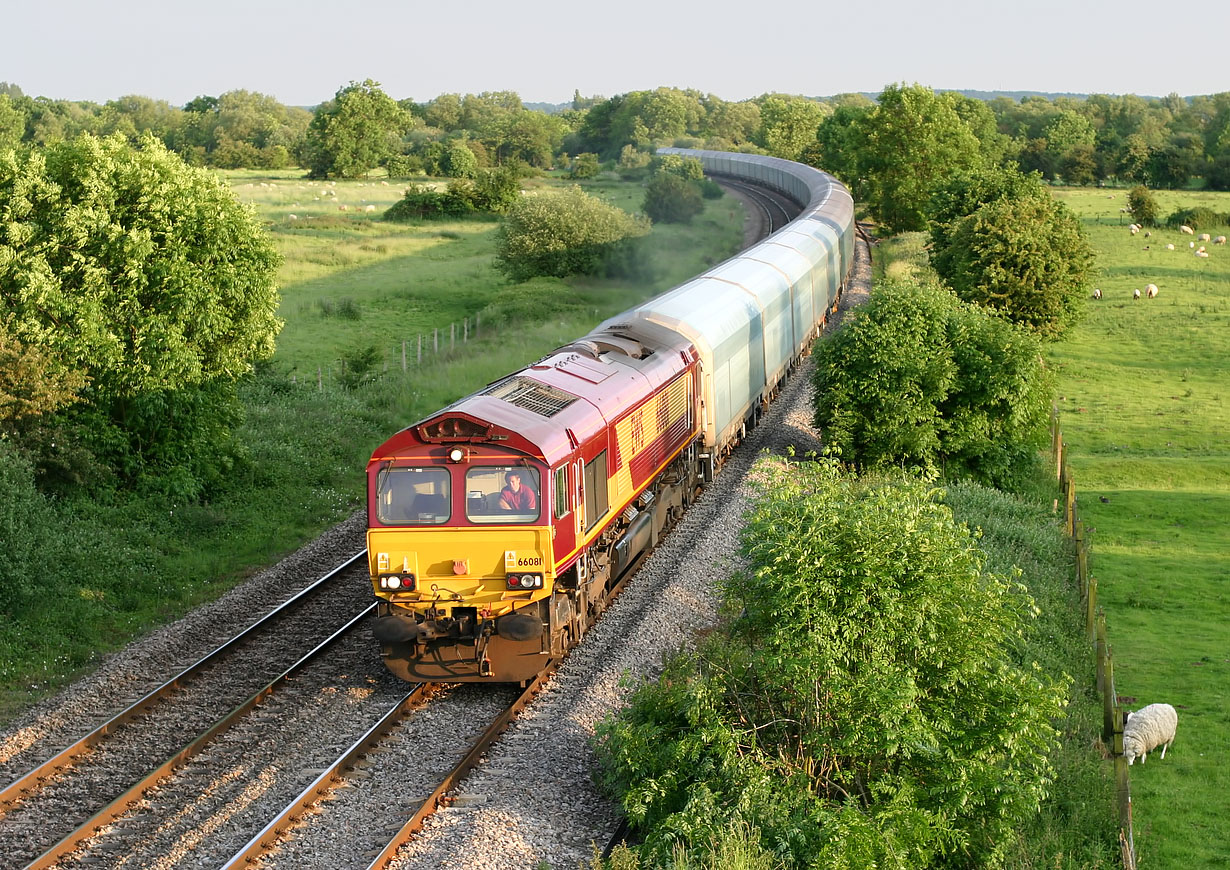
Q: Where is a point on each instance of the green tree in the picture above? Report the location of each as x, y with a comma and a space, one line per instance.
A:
459, 161
584, 166
146, 277
355, 132
918, 378
12, 123
1024, 256
788, 124
967, 191
565, 233
910, 142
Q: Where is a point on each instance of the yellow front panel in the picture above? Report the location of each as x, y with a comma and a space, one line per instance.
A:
461, 566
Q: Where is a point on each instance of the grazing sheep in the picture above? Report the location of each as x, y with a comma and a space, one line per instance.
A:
1204, 237
1147, 729
293, 217
1186, 230
1097, 293
1202, 253
1147, 235
1150, 290
1170, 247
1136, 294
1220, 240
1133, 229
369, 208
343, 208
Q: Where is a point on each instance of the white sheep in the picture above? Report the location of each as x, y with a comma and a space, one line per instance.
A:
1170, 247
1136, 293
1097, 293
369, 208
1220, 240
1204, 237
1133, 229
1186, 230
1202, 253
1147, 729
293, 217
1150, 290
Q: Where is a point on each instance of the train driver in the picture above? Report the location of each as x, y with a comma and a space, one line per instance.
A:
516, 496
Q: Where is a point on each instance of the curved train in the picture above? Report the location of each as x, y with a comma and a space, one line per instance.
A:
498, 526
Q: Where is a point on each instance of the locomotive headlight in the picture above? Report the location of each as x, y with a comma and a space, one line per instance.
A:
395, 581
456, 454
524, 581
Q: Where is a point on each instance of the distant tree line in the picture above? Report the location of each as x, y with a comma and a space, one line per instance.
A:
1167, 142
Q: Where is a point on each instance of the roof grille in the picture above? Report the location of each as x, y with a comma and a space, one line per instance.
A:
531, 395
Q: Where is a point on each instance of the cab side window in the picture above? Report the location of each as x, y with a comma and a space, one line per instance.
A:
561, 492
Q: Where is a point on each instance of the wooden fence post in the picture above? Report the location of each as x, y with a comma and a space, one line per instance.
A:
420, 359
452, 336
403, 355
435, 341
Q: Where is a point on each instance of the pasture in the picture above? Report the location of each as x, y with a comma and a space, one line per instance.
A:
1143, 389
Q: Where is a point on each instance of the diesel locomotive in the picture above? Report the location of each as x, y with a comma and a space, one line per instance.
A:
498, 526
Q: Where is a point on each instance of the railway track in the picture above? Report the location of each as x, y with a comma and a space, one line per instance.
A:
70, 794
774, 209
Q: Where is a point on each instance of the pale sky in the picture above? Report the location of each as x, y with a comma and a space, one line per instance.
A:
302, 51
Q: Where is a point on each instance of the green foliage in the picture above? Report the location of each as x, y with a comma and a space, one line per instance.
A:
966, 191
788, 124
1143, 206
670, 198
916, 378
687, 168
566, 233
31, 383
492, 191
132, 268
1025, 256
27, 530
904, 148
359, 367
459, 161
584, 166
148, 278
866, 709
1199, 218
356, 131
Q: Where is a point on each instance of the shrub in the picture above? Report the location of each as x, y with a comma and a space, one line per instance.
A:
1198, 218
865, 709
1143, 206
558, 234
26, 530
584, 166
671, 199
1026, 257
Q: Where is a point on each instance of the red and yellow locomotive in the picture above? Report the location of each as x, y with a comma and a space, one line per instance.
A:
499, 524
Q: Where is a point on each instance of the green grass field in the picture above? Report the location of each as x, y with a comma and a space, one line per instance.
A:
1143, 390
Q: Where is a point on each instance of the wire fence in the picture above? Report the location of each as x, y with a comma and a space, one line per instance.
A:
431, 347
1095, 629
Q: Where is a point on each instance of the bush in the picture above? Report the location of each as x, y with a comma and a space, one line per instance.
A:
672, 199
1026, 257
865, 709
917, 378
1143, 206
1198, 218
584, 166
566, 233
